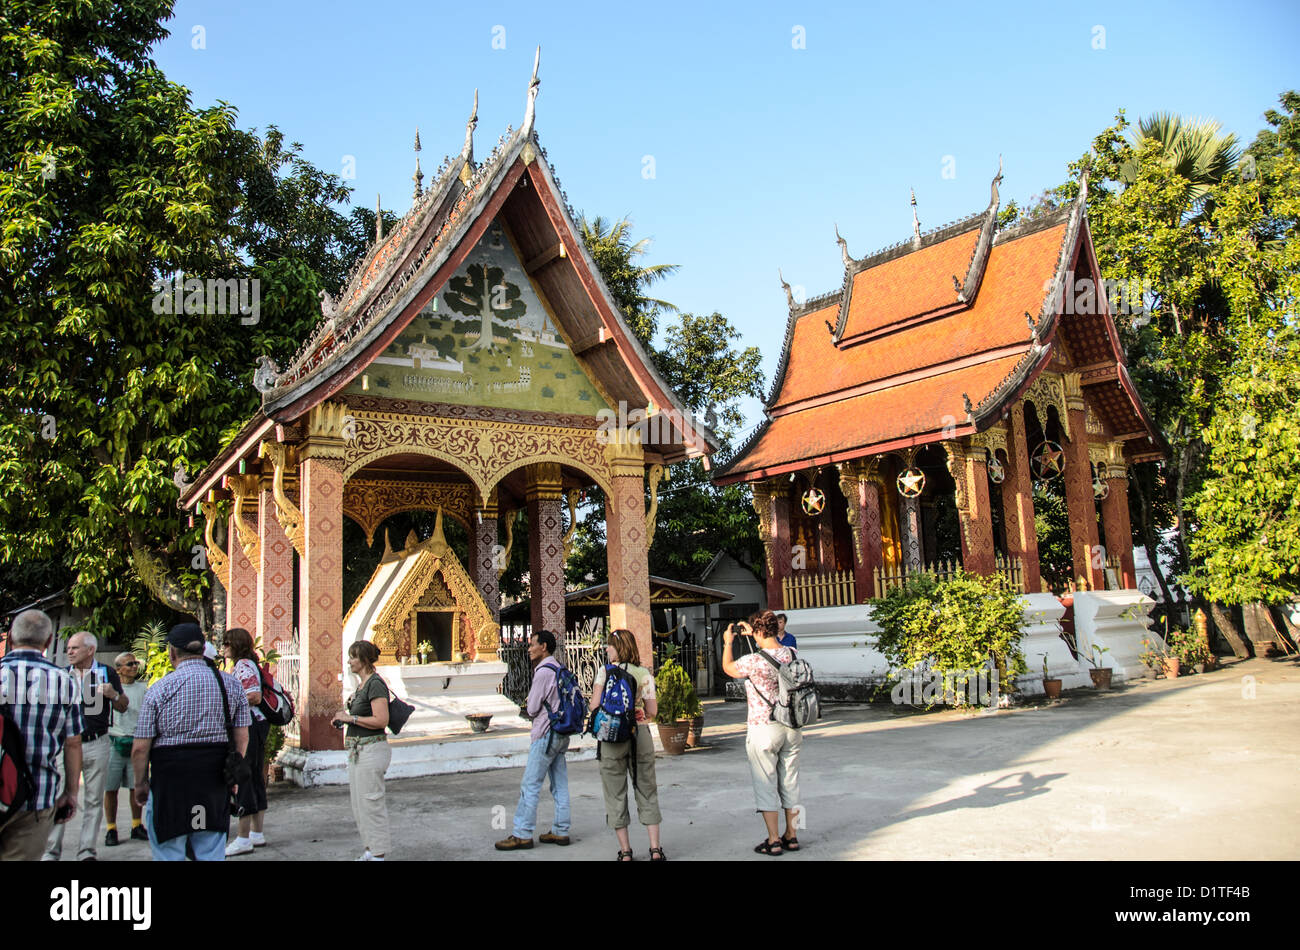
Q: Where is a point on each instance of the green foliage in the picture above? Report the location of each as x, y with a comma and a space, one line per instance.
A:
951, 627
1189, 647
112, 180
675, 694
615, 254
1052, 526
274, 742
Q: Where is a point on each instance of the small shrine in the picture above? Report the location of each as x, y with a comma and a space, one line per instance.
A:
473, 365
916, 405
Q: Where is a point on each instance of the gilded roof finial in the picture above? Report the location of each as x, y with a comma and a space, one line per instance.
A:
530, 111
997, 180
916, 223
418, 177
844, 247
470, 125
789, 294
379, 220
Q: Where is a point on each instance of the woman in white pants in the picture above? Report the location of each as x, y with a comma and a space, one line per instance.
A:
772, 748
366, 719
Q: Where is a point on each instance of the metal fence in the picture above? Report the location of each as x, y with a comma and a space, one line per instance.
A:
584, 658
287, 670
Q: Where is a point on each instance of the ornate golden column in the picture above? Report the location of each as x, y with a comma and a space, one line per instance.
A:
1080, 502
1115, 513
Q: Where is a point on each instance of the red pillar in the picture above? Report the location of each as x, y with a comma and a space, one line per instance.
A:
274, 575
1080, 502
862, 496
977, 554
546, 548
483, 552
626, 548
320, 599
1018, 502
1115, 519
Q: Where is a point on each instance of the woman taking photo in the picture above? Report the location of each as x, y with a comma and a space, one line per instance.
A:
252, 794
368, 753
772, 748
636, 754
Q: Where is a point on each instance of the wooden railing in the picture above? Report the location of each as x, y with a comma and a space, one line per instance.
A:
824, 589
1010, 573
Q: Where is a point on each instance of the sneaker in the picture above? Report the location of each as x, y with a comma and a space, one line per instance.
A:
239, 846
366, 856
514, 844
549, 838
257, 838
139, 834
110, 837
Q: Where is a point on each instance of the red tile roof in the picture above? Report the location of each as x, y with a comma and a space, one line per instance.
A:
915, 283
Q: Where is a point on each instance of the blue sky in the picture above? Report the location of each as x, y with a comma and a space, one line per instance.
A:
766, 122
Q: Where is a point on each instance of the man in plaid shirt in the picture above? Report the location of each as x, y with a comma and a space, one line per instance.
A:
45, 702
179, 755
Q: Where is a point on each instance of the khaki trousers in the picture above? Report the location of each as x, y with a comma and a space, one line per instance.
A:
614, 767
23, 837
94, 775
773, 753
366, 767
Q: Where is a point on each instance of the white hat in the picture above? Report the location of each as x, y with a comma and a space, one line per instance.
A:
210, 650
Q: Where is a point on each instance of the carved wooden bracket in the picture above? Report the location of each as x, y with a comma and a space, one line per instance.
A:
244, 487
286, 512
571, 496
651, 517
217, 559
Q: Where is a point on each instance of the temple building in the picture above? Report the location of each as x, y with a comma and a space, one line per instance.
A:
916, 405
469, 367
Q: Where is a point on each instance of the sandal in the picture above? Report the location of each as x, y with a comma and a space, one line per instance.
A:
790, 844
660, 852
625, 856
772, 848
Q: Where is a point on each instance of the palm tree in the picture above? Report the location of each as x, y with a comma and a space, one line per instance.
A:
1194, 149
614, 253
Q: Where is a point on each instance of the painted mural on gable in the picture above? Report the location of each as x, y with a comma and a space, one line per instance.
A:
485, 340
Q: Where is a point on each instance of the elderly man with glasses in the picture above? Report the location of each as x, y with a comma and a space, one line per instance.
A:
121, 734
101, 695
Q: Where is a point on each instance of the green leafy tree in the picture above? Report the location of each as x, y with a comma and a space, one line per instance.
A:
616, 255
112, 183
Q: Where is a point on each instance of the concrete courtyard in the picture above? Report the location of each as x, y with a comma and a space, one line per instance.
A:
1196, 768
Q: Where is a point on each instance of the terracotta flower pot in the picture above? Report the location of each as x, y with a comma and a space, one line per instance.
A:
673, 735
1101, 677
1052, 688
694, 737
1172, 667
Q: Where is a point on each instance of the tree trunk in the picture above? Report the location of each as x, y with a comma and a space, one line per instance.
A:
153, 572
1228, 628
1148, 540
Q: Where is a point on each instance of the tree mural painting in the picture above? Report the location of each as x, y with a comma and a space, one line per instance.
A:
483, 293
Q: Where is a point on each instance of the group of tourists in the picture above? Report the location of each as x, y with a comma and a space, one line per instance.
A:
181, 747
191, 748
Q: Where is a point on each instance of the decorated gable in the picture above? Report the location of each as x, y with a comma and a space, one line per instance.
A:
485, 339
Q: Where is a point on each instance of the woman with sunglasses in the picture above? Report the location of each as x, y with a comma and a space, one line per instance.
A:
121, 734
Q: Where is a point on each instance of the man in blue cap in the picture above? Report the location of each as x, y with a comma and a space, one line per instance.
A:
185, 731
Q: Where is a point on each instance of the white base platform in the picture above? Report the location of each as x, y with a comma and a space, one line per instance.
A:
1116, 620
425, 755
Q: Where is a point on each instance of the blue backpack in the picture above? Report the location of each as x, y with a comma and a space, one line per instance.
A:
569, 718
615, 719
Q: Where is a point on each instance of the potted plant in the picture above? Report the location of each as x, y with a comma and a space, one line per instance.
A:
478, 722
1159, 660
695, 713
1100, 674
1190, 650
424, 649
677, 699
1051, 687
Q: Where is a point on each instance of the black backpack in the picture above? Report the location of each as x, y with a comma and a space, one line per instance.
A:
17, 787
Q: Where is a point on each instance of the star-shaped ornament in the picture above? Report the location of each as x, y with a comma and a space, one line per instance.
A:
814, 500
997, 472
1047, 460
911, 483
1100, 489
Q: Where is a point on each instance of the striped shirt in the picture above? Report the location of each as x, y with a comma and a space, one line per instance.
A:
184, 707
45, 702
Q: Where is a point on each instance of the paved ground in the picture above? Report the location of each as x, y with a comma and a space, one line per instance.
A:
1200, 767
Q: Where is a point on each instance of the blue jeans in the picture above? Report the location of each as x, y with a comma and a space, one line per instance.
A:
207, 845
542, 764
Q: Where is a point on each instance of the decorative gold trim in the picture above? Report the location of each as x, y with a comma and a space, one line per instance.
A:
244, 487
325, 424
485, 451
991, 439
543, 481
571, 496
762, 501
369, 502
508, 516
1073, 391
286, 512
437, 558
850, 485
623, 452
217, 559
1049, 390
655, 473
